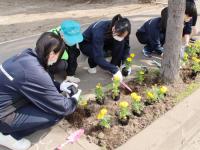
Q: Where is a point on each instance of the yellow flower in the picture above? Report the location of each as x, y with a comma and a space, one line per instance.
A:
141, 72
98, 86
163, 89
100, 116
195, 59
185, 56
132, 55
138, 98
102, 113
150, 95
135, 97
123, 104
116, 78
129, 59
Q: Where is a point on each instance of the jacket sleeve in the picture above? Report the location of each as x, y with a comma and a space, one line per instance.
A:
41, 91
98, 55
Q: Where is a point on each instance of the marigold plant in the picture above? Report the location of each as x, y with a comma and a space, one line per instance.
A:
104, 119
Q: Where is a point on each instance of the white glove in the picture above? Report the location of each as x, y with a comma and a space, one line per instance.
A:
65, 85
119, 74
129, 69
77, 95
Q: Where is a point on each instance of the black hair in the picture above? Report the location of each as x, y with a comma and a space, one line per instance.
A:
121, 25
190, 9
164, 18
47, 43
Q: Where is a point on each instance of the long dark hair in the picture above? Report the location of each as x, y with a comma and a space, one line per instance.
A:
121, 25
164, 18
190, 9
47, 43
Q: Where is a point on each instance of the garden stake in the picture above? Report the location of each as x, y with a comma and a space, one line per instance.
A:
71, 139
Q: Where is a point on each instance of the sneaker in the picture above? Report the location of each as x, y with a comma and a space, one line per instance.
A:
13, 144
146, 53
73, 79
92, 70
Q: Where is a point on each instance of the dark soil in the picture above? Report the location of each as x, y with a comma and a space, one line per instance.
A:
119, 134
187, 75
116, 98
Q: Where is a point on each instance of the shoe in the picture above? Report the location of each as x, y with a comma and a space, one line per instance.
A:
193, 40
145, 52
73, 79
160, 53
92, 70
13, 144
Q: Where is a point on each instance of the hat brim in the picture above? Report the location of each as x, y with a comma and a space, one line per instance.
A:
72, 40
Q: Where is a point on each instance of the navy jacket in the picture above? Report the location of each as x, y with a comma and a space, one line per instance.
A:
96, 34
31, 83
151, 29
187, 27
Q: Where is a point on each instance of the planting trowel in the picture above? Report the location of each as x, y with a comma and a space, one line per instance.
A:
126, 86
156, 63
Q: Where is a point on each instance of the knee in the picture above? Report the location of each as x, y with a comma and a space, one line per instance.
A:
62, 66
52, 120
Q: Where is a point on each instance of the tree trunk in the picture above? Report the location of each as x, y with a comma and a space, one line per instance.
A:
171, 59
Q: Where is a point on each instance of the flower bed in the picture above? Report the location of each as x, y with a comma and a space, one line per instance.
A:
109, 122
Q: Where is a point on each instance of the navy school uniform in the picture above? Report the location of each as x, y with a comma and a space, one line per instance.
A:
150, 34
97, 42
29, 99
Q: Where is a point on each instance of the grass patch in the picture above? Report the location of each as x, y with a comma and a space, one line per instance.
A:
187, 92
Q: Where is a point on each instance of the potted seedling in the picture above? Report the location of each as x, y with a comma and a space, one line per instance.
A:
195, 65
124, 113
185, 59
104, 119
162, 92
115, 89
140, 76
137, 106
152, 95
83, 104
193, 49
100, 96
128, 64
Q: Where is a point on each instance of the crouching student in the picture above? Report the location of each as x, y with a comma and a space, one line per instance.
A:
107, 36
153, 32
192, 24
29, 98
70, 32
152, 35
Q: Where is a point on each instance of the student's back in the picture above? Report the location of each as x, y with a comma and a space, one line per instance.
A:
151, 35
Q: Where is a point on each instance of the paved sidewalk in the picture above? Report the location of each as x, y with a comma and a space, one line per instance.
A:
57, 136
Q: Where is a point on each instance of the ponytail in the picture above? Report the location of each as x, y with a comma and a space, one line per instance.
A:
115, 19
